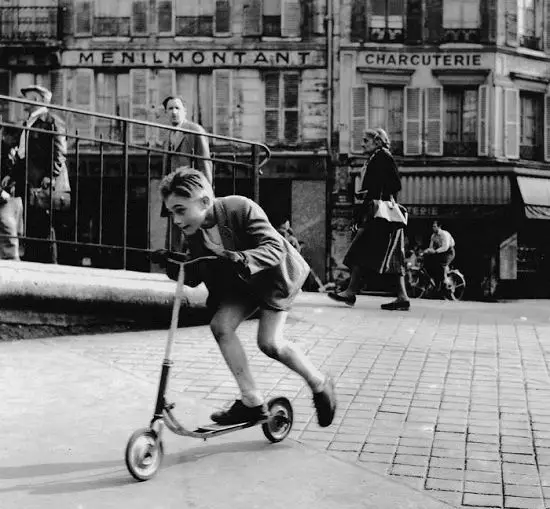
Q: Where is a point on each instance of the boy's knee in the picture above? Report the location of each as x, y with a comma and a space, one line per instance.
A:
220, 328
269, 349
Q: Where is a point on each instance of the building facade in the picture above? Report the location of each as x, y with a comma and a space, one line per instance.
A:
462, 88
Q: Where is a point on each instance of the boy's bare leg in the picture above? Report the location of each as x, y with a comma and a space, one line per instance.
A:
272, 342
224, 325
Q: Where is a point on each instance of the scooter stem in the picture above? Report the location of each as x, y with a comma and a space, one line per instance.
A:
175, 313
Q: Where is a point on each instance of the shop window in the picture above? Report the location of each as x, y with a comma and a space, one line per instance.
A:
386, 111
461, 21
461, 121
281, 119
386, 21
531, 126
273, 18
528, 20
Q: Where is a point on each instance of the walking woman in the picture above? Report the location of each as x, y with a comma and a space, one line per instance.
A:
378, 245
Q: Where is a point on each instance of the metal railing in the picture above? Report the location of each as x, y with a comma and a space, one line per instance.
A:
114, 219
27, 24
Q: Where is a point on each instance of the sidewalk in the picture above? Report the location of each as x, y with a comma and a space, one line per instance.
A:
66, 420
445, 405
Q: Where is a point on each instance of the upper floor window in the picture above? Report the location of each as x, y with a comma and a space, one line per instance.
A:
105, 18
461, 112
282, 107
529, 16
272, 18
531, 126
386, 21
462, 14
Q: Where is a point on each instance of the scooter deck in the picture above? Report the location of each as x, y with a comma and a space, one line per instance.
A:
218, 429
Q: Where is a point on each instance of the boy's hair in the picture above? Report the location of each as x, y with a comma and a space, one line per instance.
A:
186, 182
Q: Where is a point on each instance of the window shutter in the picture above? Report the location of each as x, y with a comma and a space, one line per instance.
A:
105, 103
4, 90
482, 121
222, 22
83, 17
434, 121
59, 87
547, 25
412, 139
272, 111
82, 96
318, 13
414, 22
291, 18
511, 123
223, 104
252, 17
139, 17
498, 119
359, 112
291, 104
547, 127
161, 84
511, 17
358, 20
434, 20
138, 104
165, 13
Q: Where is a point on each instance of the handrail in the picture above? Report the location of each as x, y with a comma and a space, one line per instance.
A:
146, 123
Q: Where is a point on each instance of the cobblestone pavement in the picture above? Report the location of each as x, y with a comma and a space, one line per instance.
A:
451, 397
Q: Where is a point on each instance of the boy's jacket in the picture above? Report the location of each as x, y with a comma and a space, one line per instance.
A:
276, 270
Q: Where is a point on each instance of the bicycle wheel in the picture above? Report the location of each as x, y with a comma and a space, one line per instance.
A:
416, 284
457, 284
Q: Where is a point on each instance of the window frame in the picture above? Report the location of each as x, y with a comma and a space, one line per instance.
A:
387, 89
386, 28
281, 109
539, 128
172, 32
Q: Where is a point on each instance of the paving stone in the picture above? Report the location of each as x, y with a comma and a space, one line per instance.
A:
524, 491
484, 488
523, 503
408, 470
443, 485
446, 473
480, 500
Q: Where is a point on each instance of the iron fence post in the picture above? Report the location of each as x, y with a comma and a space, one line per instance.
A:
255, 173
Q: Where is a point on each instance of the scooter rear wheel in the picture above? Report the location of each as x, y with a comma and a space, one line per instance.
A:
144, 454
281, 418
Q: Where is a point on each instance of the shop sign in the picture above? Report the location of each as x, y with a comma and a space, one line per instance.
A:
192, 58
397, 60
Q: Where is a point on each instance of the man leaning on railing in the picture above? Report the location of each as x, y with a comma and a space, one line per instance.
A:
39, 174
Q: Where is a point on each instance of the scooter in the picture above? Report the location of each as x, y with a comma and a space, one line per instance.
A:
145, 450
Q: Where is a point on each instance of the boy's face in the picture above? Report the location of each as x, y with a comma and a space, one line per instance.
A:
189, 214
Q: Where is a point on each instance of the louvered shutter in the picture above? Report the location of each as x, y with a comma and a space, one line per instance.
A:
161, 84
547, 127
222, 17
252, 17
139, 17
511, 123
272, 111
223, 104
412, 138
482, 121
4, 90
290, 18
83, 17
105, 103
58, 86
318, 17
547, 25
358, 20
81, 95
359, 112
237, 93
511, 17
498, 119
434, 121
138, 104
291, 104
165, 20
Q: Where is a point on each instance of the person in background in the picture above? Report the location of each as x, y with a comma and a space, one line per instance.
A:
288, 233
378, 245
39, 168
438, 257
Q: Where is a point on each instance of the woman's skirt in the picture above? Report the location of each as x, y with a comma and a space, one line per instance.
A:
378, 246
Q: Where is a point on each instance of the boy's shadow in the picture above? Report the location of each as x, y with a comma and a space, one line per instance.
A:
110, 474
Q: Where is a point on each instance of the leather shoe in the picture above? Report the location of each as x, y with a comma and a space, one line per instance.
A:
350, 301
397, 305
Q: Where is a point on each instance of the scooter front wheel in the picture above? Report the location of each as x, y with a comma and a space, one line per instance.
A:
281, 418
144, 454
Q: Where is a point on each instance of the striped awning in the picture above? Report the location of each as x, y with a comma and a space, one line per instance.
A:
441, 189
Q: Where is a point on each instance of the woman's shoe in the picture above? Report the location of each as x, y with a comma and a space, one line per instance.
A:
397, 305
350, 301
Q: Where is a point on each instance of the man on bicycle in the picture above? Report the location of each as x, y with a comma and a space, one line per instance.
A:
438, 257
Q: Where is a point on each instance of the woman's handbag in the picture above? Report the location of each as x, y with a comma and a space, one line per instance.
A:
390, 211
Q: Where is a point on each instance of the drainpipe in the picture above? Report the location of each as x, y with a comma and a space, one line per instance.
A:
330, 72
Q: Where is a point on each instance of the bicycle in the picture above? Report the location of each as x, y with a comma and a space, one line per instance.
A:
421, 285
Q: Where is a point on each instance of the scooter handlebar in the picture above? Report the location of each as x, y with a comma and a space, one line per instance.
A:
163, 256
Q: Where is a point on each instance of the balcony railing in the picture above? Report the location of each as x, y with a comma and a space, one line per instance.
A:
530, 41
468, 35
29, 24
460, 148
113, 220
386, 34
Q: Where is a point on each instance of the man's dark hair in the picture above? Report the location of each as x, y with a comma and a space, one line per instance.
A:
185, 182
173, 97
